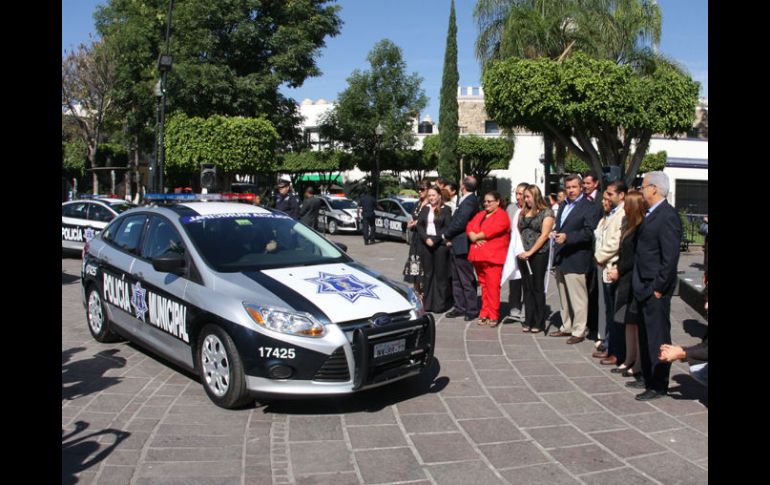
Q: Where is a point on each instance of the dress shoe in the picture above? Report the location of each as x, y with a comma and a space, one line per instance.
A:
650, 394
630, 373
601, 348
468, 318
618, 370
559, 333
611, 360
453, 314
575, 340
600, 355
636, 384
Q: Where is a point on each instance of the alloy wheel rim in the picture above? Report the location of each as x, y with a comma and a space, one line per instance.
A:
95, 315
216, 366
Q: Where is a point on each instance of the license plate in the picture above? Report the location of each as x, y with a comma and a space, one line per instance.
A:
388, 348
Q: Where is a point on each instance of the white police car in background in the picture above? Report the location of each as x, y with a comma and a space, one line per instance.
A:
338, 214
393, 217
84, 218
252, 300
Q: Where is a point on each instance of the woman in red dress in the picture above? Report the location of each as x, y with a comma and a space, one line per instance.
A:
489, 232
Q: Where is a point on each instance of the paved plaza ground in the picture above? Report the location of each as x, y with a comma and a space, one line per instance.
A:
498, 406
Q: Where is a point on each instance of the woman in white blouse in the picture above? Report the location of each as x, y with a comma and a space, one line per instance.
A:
433, 218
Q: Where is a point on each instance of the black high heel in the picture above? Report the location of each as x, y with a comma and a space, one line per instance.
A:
618, 370
628, 373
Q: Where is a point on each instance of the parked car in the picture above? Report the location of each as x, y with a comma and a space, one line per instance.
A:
84, 218
252, 301
338, 214
392, 216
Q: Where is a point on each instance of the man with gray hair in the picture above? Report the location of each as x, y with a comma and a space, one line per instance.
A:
653, 282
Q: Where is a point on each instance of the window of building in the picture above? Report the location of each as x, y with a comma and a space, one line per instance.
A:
491, 127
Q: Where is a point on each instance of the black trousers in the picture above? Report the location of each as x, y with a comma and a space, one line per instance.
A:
437, 296
367, 228
654, 331
592, 282
464, 285
515, 293
616, 332
534, 289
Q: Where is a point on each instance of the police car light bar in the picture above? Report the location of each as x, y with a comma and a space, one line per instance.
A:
93, 196
197, 197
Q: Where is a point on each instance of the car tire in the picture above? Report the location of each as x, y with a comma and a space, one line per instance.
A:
331, 226
98, 323
221, 368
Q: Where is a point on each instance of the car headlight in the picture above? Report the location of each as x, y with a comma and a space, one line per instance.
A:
417, 308
285, 321
346, 219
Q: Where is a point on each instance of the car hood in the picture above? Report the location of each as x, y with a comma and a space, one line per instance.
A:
338, 291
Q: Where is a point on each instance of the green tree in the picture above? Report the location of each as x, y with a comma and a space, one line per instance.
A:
235, 145
383, 95
653, 162
327, 163
480, 154
581, 101
88, 80
448, 111
230, 57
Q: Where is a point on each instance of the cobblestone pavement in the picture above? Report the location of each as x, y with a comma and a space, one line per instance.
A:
498, 406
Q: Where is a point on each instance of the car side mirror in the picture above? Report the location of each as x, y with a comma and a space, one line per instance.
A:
344, 247
170, 262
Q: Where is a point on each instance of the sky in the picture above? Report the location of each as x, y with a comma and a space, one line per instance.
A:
419, 28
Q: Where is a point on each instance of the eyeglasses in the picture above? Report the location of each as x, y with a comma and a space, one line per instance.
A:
648, 185
489, 201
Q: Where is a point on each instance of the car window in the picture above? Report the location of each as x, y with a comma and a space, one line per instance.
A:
408, 206
128, 234
77, 210
99, 213
386, 205
396, 210
161, 237
121, 206
251, 242
340, 204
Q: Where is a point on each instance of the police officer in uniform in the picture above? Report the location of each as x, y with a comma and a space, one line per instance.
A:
366, 208
286, 200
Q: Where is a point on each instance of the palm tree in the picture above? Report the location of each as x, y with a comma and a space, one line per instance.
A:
625, 31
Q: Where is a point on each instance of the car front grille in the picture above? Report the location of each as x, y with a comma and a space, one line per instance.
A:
335, 369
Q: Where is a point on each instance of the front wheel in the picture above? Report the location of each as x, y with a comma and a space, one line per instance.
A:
332, 226
221, 368
98, 323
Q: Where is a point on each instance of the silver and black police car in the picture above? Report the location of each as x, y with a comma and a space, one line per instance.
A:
83, 219
393, 216
338, 214
253, 301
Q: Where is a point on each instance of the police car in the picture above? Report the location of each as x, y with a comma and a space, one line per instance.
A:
83, 219
338, 214
392, 216
253, 301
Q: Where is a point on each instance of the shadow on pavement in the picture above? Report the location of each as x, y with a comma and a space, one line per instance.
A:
694, 328
68, 279
83, 452
83, 377
689, 389
366, 401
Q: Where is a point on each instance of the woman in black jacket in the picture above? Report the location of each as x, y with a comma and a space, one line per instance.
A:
434, 253
625, 306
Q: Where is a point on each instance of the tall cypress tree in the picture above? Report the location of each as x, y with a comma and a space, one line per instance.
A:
448, 130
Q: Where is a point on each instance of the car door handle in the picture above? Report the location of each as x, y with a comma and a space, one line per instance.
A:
138, 274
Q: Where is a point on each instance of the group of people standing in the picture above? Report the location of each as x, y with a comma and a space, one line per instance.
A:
616, 245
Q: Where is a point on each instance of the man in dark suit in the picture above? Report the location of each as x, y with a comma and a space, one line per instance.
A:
463, 278
308, 211
366, 207
593, 193
573, 256
653, 282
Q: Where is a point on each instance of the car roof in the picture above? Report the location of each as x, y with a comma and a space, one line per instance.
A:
106, 200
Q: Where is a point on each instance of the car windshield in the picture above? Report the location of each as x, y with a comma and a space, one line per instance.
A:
249, 242
121, 206
408, 206
342, 204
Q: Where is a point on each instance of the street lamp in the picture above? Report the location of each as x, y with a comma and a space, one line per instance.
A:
164, 66
379, 132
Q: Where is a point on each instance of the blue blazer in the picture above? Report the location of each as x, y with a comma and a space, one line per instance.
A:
455, 232
657, 252
577, 253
